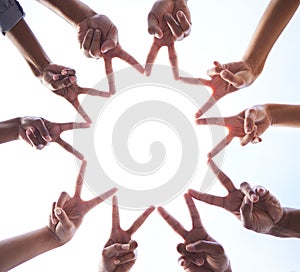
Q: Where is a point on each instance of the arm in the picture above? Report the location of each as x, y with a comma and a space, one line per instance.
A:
17, 250
25, 41
284, 115
274, 20
73, 11
289, 225
9, 130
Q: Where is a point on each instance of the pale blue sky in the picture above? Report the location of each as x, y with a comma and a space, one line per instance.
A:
32, 179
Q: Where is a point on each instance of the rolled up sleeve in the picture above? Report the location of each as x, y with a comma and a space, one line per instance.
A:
10, 14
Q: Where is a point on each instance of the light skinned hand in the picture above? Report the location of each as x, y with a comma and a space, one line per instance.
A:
68, 212
118, 254
168, 21
199, 252
255, 207
36, 133
225, 79
98, 37
63, 82
248, 126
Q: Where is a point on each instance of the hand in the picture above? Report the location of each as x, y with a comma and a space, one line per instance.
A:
34, 125
168, 21
225, 79
118, 254
248, 125
36, 129
200, 252
62, 81
98, 37
68, 212
255, 207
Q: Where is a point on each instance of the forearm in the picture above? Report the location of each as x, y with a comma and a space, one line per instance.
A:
29, 47
17, 250
284, 115
289, 225
9, 130
274, 20
73, 11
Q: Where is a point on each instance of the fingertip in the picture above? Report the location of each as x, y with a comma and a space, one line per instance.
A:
73, 79
58, 211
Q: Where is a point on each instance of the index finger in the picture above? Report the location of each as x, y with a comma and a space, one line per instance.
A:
80, 179
140, 220
110, 75
151, 58
224, 179
100, 198
131, 60
173, 60
72, 125
115, 214
69, 148
196, 220
208, 104
174, 224
220, 146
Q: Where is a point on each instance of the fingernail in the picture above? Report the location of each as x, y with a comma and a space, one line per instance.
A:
125, 246
180, 14
48, 138
54, 221
55, 77
190, 247
40, 146
73, 79
64, 72
254, 198
116, 262
57, 211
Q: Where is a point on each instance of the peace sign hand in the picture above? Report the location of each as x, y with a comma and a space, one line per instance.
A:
200, 252
35, 137
248, 125
118, 254
68, 212
62, 81
168, 21
218, 85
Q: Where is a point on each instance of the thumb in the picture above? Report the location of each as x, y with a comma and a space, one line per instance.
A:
249, 122
63, 219
235, 80
153, 26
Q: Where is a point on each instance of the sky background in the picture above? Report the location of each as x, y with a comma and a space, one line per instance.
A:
32, 180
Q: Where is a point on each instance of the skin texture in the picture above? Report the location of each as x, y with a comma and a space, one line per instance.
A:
168, 21
199, 252
256, 208
251, 123
33, 136
65, 218
230, 77
38, 132
58, 78
97, 35
118, 254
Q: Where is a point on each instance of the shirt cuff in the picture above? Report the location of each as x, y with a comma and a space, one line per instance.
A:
10, 15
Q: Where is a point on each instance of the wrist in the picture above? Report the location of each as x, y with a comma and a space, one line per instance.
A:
255, 67
53, 238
